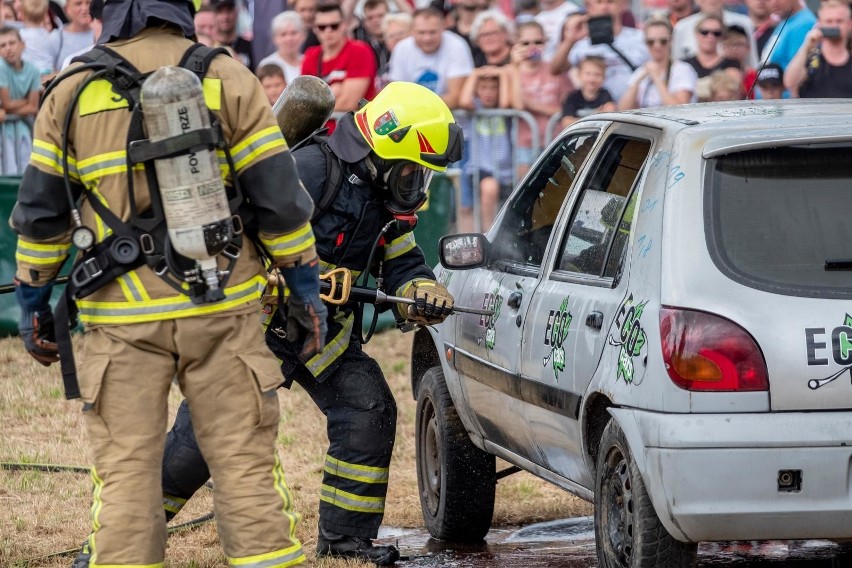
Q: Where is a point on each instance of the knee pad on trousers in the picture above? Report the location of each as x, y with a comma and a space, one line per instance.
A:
362, 418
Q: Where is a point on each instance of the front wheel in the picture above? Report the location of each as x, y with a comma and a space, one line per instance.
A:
456, 479
628, 532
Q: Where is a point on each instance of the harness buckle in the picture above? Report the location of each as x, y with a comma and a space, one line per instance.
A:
147, 243
231, 251
85, 272
237, 224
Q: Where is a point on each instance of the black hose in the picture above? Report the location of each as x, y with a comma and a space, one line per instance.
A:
48, 467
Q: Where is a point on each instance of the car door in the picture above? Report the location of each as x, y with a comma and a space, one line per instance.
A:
488, 347
583, 291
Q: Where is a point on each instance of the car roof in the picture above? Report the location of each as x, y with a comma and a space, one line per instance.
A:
738, 115
725, 126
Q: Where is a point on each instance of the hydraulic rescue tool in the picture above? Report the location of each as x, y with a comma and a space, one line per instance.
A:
336, 288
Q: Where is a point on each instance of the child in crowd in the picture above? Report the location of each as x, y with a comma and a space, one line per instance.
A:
272, 79
770, 82
735, 46
490, 162
39, 48
724, 87
591, 97
19, 93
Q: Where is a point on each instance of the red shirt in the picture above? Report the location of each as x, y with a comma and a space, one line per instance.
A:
355, 60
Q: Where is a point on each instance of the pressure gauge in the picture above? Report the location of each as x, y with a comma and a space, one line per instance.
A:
83, 238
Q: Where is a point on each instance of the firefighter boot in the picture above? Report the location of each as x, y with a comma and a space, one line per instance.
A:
338, 545
82, 560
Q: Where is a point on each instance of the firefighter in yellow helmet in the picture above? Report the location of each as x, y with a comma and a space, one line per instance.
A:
366, 180
150, 312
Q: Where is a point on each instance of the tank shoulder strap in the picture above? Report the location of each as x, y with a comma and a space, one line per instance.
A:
198, 57
333, 177
106, 63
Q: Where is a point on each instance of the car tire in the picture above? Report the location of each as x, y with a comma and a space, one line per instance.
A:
628, 532
456, 480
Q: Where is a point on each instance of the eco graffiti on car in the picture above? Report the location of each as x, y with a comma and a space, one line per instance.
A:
493, 301
631, 339
558, 323
841, 350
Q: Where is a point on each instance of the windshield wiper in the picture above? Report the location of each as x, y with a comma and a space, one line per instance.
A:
838, 264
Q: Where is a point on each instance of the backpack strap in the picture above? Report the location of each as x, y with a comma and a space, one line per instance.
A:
198, 57
333, 177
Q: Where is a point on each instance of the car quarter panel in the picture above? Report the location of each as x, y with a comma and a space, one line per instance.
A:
715, 476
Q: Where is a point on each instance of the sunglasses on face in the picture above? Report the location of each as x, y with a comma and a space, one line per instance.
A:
714, 33
470, 7
532, 42
654, 41
333, 27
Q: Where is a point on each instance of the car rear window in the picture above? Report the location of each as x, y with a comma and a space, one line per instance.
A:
781, 219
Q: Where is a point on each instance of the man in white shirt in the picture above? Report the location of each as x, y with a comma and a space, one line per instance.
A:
433, 57
685, 45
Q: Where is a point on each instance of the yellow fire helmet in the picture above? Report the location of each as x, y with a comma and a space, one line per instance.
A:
407, 121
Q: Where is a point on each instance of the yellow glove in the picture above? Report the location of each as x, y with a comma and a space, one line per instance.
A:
433, 303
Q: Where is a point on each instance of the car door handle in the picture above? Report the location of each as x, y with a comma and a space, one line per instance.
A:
514, 300
595, 320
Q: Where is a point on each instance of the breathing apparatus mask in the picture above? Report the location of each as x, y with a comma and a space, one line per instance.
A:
405, 183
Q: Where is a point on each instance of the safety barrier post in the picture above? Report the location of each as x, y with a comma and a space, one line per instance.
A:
471, 120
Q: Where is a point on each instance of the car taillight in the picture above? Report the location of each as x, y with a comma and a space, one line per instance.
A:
704, 352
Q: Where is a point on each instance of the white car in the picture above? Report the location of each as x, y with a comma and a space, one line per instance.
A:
671, 338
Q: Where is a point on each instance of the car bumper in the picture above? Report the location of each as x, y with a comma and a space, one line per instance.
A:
716, 476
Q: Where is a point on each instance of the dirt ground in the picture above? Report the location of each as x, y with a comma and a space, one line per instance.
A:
44, 513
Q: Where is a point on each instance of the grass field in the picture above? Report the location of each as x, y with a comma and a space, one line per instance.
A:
44, 513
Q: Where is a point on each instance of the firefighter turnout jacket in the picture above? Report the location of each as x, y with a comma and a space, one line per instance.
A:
345, 233
97, 168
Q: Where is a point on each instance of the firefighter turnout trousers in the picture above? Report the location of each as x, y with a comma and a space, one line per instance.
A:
361, 415
230, 379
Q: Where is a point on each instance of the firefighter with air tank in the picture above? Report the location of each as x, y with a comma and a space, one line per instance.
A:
130, 168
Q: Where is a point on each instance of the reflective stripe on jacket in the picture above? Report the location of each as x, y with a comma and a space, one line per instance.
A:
97, 168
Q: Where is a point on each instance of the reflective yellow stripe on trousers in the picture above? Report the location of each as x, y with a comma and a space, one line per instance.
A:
356, 472
351, 501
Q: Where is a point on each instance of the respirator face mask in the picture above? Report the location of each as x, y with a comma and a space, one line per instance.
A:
405, 182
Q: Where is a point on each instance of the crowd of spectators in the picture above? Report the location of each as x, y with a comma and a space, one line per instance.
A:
554, 59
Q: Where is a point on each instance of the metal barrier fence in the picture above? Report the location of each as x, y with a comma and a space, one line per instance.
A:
16, 140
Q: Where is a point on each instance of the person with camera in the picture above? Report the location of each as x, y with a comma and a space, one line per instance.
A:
822, 68
534, 89
601, 33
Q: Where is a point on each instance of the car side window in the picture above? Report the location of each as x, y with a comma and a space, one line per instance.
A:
530, 215
601, 222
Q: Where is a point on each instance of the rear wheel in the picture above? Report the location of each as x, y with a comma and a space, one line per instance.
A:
456, 479
628, 532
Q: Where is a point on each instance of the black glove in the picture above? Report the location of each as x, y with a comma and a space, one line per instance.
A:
432, 302
306, 321
36, 325
306, 314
